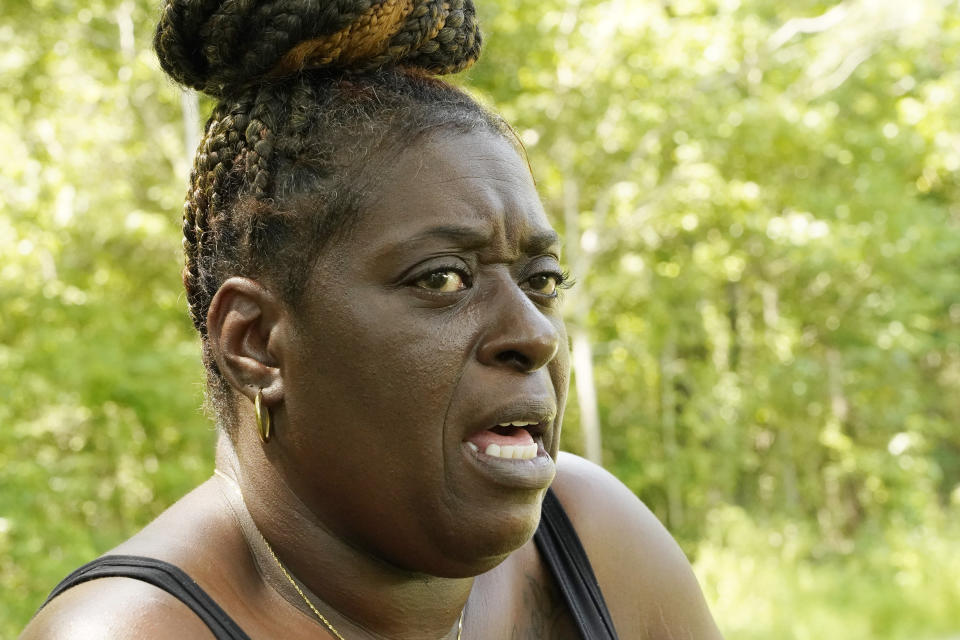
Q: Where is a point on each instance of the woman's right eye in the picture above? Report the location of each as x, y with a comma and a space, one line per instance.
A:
443, 281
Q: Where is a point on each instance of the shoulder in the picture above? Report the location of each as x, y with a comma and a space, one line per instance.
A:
195, 536
121, 608
646, 579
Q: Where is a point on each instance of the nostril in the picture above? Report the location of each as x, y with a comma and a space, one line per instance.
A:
514, 358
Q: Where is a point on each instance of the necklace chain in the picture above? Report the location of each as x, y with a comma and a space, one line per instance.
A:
293, 582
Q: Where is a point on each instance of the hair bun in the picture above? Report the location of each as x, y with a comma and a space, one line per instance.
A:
220, 46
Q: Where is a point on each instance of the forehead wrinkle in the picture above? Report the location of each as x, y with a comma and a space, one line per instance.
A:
465, 236
458, 178
503, 220
502, 173
468, 188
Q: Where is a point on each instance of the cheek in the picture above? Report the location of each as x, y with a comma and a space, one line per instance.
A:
383, 373
560, 365
560, 376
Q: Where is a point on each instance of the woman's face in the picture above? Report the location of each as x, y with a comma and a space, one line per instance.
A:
432, 322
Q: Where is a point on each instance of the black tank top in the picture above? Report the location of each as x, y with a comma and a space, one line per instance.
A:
556, 539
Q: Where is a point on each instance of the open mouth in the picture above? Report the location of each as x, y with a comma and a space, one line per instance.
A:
510, 452
514, 440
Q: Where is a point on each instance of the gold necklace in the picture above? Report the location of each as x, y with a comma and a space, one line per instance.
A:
293, 582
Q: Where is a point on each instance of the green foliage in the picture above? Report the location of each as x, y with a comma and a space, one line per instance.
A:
99, 378
764, 226
760, 206
777, 580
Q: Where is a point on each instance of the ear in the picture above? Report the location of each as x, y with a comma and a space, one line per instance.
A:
245, 331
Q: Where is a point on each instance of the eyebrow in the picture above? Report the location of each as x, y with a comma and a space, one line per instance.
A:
543, 240
472, 237
467, 237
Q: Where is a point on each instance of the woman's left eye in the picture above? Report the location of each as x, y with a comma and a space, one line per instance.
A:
442, 281
547, 283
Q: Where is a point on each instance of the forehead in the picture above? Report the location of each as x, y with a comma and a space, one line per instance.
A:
474, 181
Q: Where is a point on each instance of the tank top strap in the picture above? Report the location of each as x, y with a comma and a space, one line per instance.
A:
564, 555
162, 575
556, 539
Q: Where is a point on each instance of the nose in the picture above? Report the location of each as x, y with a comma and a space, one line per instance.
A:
520, 336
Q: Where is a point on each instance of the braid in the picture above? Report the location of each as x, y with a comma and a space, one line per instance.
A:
260, 132
312, 99
222, 143
221, 47
196, 222
290, 22
449, 38
191, 270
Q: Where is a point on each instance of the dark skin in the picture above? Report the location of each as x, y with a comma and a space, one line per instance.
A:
434, 318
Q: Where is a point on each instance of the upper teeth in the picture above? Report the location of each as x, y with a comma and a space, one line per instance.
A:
516, 423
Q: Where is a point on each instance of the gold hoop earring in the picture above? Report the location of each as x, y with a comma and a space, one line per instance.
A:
263, 417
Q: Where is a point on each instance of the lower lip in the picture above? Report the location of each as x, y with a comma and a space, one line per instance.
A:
536, 473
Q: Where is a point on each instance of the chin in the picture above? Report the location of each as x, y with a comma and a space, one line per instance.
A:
485, 545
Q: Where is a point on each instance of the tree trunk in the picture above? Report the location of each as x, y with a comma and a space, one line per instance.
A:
582, 348
587, 395
190, 108
668, 423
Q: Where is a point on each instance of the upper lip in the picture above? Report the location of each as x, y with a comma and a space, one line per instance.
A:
539, 412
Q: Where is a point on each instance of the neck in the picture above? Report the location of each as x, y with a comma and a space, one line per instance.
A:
360, 595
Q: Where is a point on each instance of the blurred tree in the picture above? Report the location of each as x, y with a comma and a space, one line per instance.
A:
760, 203
99, 379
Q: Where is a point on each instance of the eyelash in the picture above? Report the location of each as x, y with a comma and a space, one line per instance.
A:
564, 280
561, 278
464, 274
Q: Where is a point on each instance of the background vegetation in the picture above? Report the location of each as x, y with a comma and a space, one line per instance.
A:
760, 201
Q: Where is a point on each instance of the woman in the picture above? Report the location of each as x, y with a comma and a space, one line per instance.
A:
376, 288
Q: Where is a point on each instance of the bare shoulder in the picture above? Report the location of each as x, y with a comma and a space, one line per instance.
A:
646, 579
118, 608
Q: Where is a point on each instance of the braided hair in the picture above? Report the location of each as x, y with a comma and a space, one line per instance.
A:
313, 96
